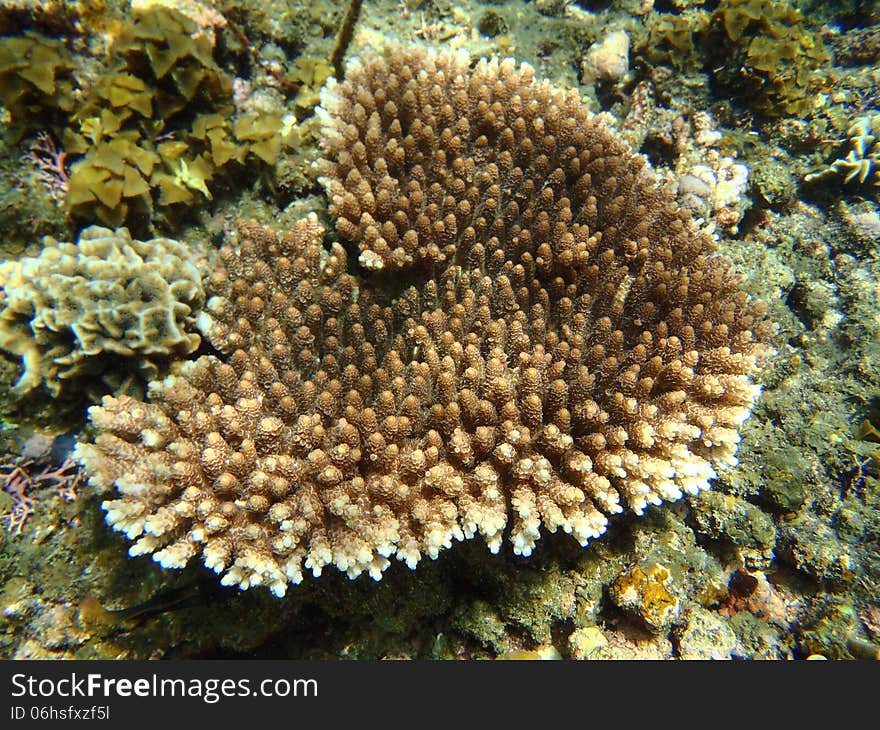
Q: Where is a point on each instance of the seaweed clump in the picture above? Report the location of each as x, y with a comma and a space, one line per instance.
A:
766, 54
35, 79
670, 39
157, 128
157, 131
112, 182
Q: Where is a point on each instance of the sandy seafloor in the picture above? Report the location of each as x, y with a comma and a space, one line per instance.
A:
780, 560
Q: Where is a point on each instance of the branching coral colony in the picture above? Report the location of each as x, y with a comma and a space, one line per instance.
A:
558, 342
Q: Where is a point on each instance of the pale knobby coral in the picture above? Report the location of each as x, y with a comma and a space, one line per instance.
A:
607, 61
712, 184
68, 310
538, 337
717, 189
862, 163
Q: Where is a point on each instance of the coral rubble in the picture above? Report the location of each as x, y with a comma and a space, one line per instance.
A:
74, 306
607, 61
560, 342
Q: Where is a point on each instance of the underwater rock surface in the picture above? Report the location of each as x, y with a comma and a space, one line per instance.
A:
780, 558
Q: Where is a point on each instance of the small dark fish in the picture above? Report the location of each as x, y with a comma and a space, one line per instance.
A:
197, 593
61, 448
861, 649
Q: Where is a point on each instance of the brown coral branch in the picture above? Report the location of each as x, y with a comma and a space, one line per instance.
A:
343, 39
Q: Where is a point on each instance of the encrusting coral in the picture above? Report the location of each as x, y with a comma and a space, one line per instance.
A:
74, 306
557, 342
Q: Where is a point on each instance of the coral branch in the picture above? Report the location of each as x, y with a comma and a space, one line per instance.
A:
50, 163
343, 39
17, 482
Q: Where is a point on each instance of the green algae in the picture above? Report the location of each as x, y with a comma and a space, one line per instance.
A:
767, 55
35, 79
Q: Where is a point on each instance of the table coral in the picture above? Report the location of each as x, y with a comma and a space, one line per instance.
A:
68, 310
557, 342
